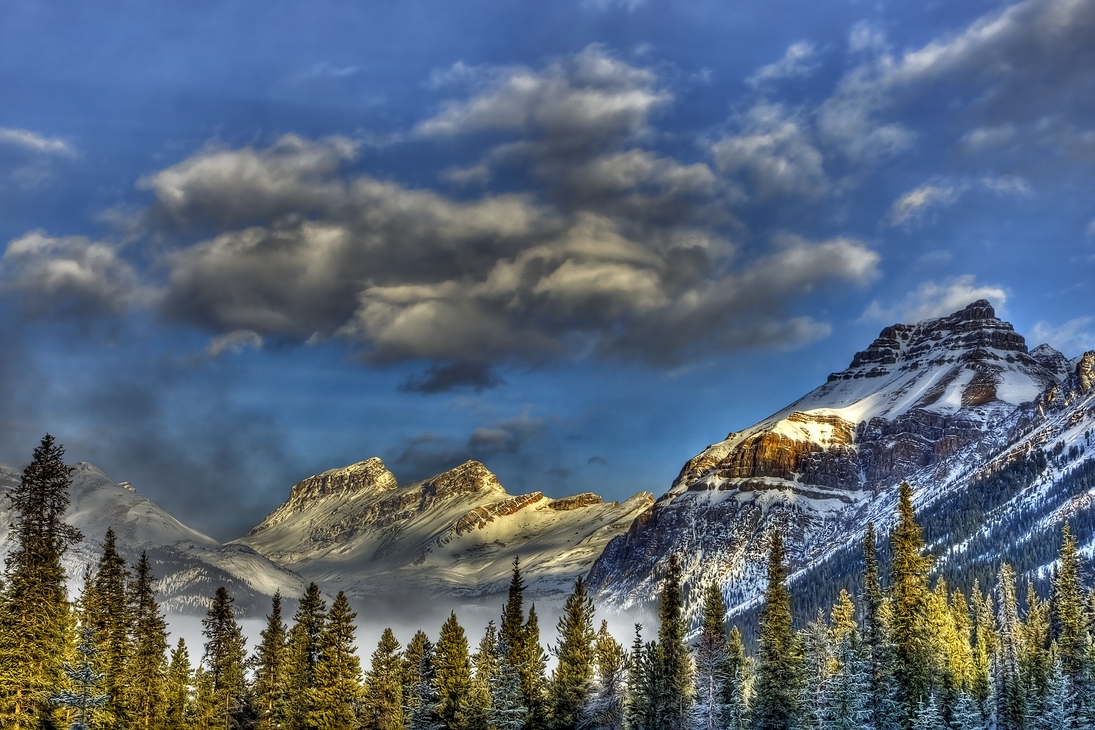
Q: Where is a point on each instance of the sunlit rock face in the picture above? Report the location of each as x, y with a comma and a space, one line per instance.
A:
456, 533
925, 402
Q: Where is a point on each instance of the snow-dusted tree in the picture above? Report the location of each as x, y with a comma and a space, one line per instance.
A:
779, 659
484, 664
878, 644
383, 706
673, 674
967, 715
34, 607
505, 712
607, 706
712, 677
84, 697
1010, 685
147, 670
1054, 710
419, 696
850, 693
817, 667
571, 685
179, 682
928, 715
639, 709
338, 672
224, 659
271, 681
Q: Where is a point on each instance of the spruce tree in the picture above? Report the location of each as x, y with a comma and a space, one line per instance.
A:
607, 707
673, 693
207, 715
417, 665
84, 697
484, 664
909, 591
34, 607
224, 660
967, 714
817, 665
512, 630
712, 678
1053, 714
571, 684
849, 697
984, 646
452, 674
271, 670
533, 665
1068, 609
109, 611
878, 645
337, 687
303, 656
736, 700
639, 710
779, 658
147, 669
928, 715
177, 691
1035, 665
1010, 685
506, 711
383, 707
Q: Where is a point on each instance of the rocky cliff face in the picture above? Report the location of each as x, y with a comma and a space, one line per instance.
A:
453, 534
927, 402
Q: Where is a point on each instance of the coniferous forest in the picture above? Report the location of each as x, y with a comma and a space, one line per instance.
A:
905, 652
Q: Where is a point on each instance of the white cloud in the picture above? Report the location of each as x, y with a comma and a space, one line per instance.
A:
35, 142
915, 202
70, 275
1091, 227
943, 192
775, 152
935, 299
235, 342
1071, 338
797, 62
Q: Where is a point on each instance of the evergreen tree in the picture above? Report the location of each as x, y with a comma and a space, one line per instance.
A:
224, 660
909, 591
505, 712
34, 608
383, 709
338, 672
484, 664
207, 714
271, 670
607, 707
1054, 708
928, 715
147, 670
878, 645
779, 672
1035, 665
452, 674
849, 697
639, 710
512, 630
818, 664
673, 694
533, 665
303, 656
420, 698
84, 696
1068, 609
107, 608
572, 681
736, 700
984, 646
178, 706
712, 676
967, 715
1010, 688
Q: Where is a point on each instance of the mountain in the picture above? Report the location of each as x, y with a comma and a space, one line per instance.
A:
456, 533
189, 566
956, 406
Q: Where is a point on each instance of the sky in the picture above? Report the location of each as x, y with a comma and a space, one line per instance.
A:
246, 242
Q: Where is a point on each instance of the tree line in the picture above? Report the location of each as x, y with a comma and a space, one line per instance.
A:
904, 653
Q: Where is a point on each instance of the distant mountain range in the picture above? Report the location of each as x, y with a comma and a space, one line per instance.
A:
995, 439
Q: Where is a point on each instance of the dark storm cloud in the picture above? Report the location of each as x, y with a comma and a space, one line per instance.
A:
476, 376
429, 454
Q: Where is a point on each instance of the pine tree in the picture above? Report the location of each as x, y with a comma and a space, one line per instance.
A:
338, 672
383, 709
712, 663
928, 715
1035, 666
984, 646
271, 670
909, 591
607, 707
84, 697
779, 672
533, 665
207, 714
736, 700
818, 664
673, 694
1068, 609
177, 690
967, 715
420, 696
107, 606
484, 664
572, 681
506, 711
34, 608
303, 656
1010, 687
849, 696
1054, 707
452, 674
224, 660
878, 644
512, 630
638, 712
147, 669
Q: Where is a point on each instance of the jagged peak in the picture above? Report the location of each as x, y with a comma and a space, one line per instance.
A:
367, 475
469, 477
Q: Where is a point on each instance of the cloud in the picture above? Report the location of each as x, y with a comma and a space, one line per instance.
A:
235, 342
35, 142
70, 276
588, 98
935, 299
944, 192
599, 460
1072, 338
775, 152
324, 69
603, 5
429, 454
797, 62
1091, 227
476, 376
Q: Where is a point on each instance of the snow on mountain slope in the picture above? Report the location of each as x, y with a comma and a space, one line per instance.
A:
356, 529
928, 403
189, 565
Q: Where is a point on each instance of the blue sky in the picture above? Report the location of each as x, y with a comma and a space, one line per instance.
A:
579, 241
